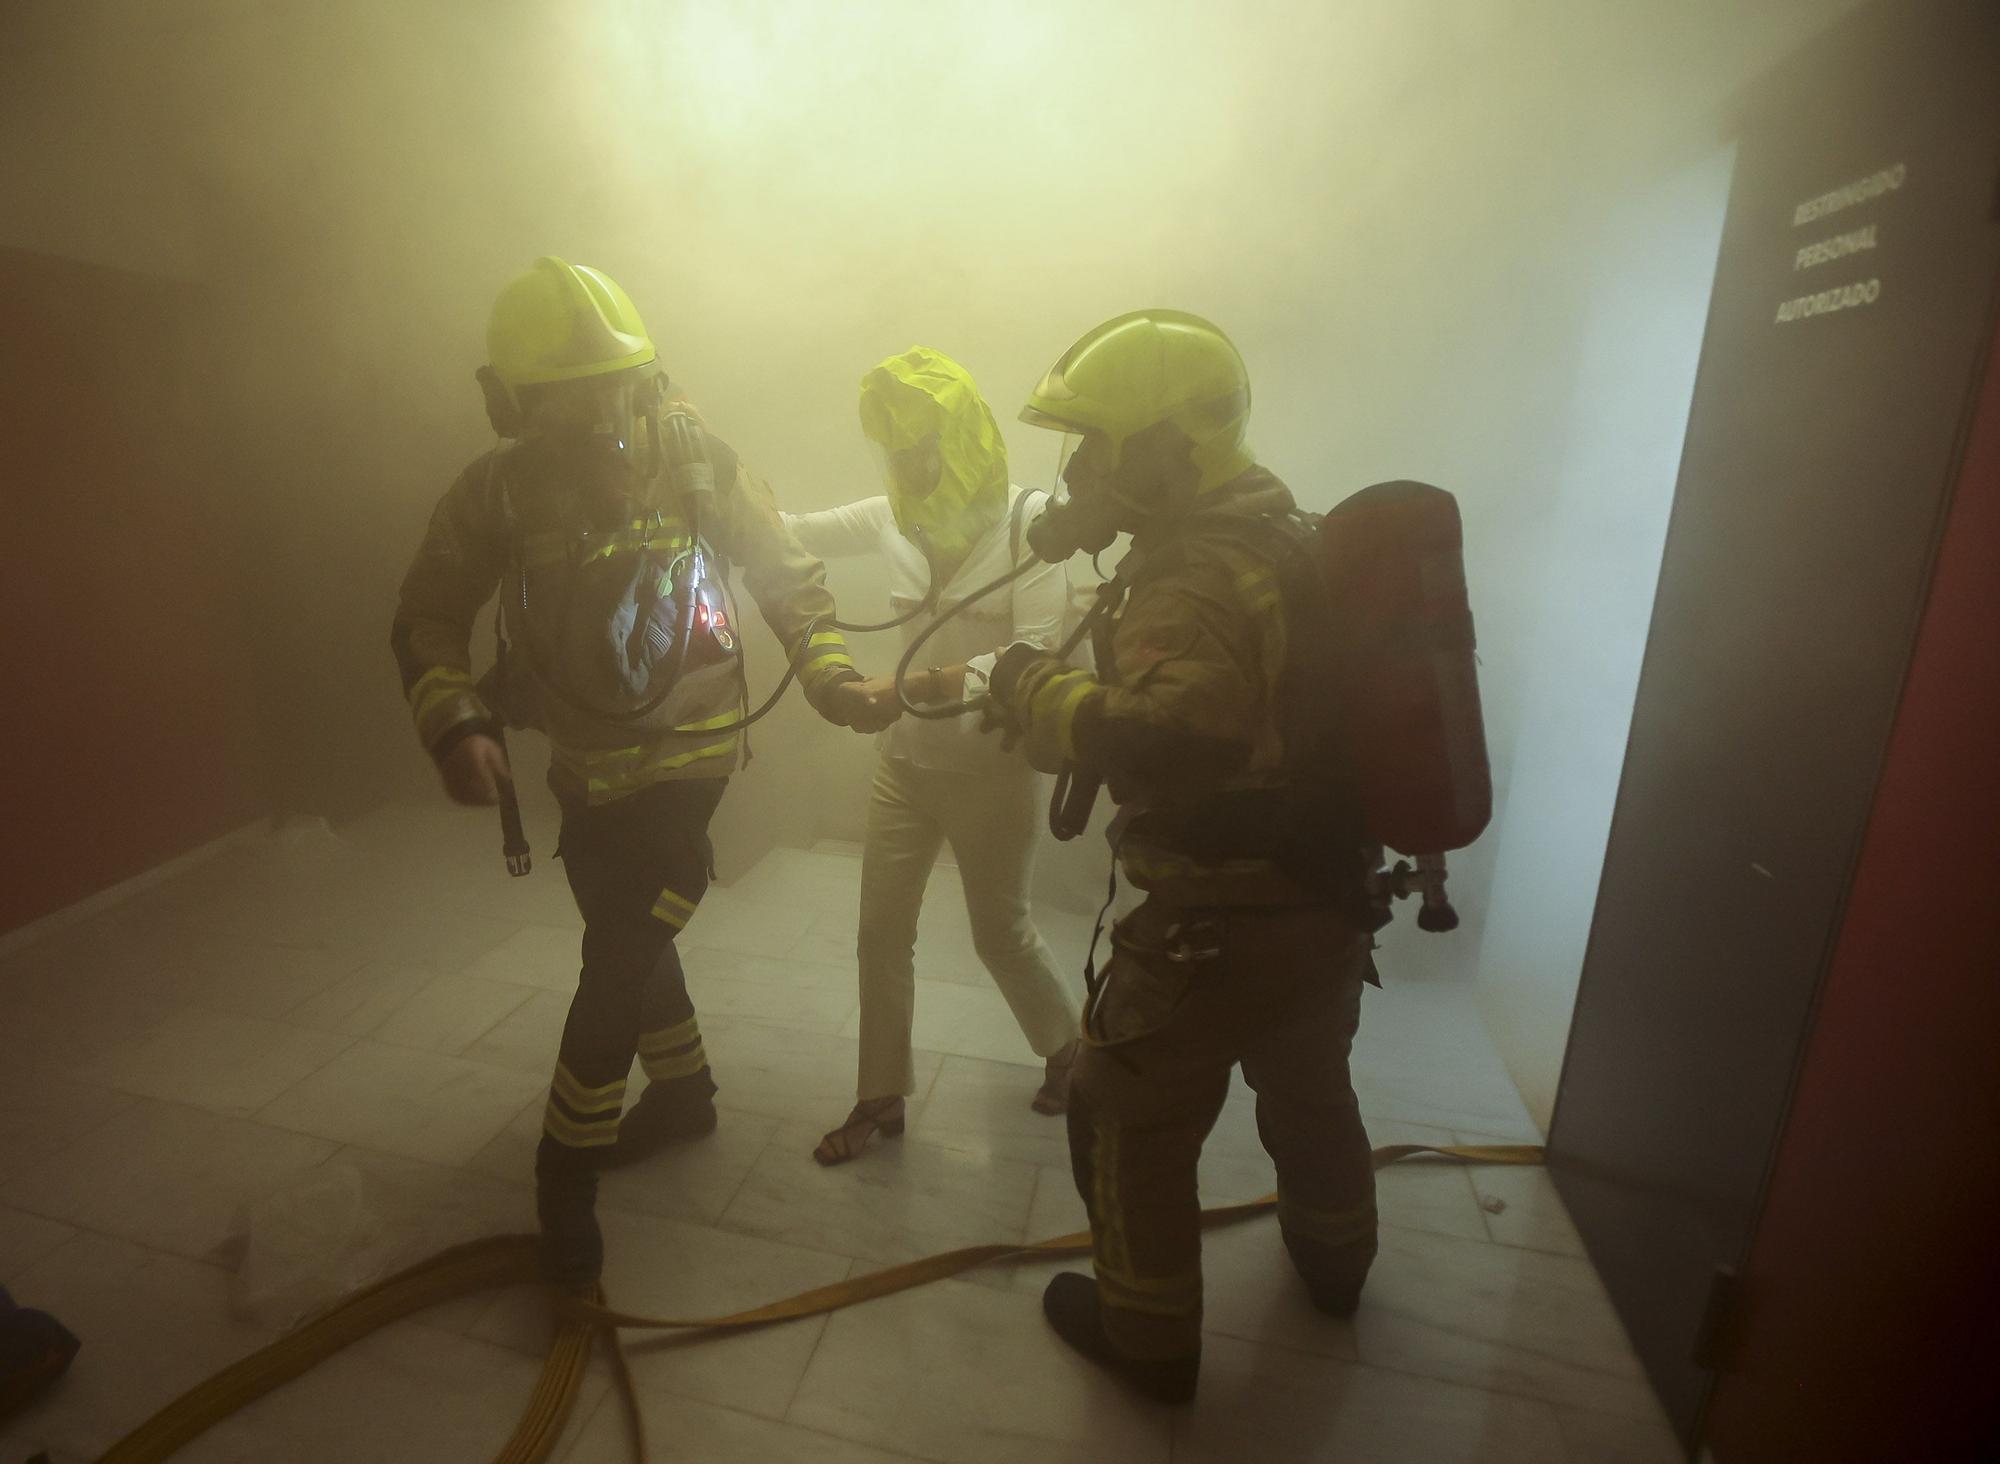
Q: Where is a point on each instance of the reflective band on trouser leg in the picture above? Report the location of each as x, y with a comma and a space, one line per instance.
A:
582, 1117
1159, 1296
1352, 1226
676, 910
672, 1052
1144, 1316
1332, 1249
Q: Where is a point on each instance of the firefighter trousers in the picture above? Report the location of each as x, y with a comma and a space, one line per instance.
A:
1188, 994
638, 867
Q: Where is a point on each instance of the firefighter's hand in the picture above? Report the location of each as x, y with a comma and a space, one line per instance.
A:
866, 706
474, 769
994, 717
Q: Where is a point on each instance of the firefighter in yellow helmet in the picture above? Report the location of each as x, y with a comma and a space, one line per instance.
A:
1244, 950
948, 523
600, 522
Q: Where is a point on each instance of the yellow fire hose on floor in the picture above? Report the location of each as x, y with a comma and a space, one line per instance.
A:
505, 1260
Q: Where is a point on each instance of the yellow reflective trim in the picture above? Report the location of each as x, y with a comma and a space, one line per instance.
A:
1258, 589
1335, 1227
598, 1134
1042, 703
1066, 717
436, 686
668, 1038
1177, 1284
601, 788
1159, 1306
607, 775
440, 681
641, 535
442, 697
1107, 1229
1056, 700
603, 762
587, 1100
827, 638
663, 1069
673, 909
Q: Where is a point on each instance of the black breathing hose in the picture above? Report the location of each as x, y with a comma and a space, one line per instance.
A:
897, 622
945, 711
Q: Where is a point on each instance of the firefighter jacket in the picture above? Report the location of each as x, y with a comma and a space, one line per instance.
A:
518, 518
1186, 723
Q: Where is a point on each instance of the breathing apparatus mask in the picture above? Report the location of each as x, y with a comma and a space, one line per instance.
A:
1111, 492
1086, 521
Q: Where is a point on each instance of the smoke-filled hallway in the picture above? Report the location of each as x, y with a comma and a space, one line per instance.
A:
348, 1033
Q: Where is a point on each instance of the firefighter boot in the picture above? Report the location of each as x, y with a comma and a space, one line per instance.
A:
571, 1251
666, 1113
1334, 1274
1071, 1305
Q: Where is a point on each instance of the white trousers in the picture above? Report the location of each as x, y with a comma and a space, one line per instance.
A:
991, 823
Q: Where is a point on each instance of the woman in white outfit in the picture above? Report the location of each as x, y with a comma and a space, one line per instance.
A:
950, 512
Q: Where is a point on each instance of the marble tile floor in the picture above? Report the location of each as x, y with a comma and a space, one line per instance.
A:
342, 1039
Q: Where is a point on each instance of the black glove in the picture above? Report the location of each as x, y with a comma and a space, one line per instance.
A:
1007, 672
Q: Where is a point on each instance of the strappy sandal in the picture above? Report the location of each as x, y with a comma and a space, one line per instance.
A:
870, 1116
1053, 1096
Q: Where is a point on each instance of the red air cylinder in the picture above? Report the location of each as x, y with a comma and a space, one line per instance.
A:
1406, 686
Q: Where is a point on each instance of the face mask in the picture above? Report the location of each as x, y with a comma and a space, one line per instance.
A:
1090, 517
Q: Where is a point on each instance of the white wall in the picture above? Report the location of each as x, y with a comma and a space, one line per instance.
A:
1621, 430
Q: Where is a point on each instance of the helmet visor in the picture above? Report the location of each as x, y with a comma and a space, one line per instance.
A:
1066, 450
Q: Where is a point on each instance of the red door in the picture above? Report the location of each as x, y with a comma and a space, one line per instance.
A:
1871, 1321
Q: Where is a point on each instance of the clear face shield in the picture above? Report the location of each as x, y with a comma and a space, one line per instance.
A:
603, 416
1067, 444
1083, 514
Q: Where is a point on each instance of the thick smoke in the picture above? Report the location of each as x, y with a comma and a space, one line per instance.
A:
1409, 215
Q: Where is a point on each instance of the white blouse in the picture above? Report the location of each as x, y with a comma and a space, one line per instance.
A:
1030, 609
